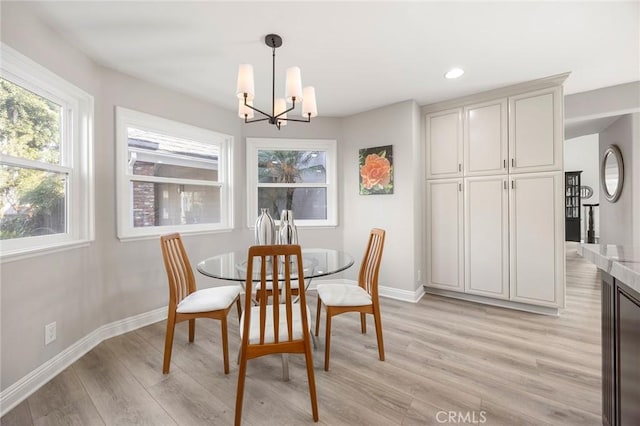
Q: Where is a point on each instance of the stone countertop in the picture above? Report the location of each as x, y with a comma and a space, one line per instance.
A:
621, 262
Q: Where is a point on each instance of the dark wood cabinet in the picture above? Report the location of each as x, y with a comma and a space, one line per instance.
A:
572, 206
620, 353
628, 355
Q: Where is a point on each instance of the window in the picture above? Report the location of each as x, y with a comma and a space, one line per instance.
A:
172, 177
46, 164
293, 174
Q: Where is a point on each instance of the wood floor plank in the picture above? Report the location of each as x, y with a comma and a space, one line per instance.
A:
118, 396
20, 415
80, 412
63, 399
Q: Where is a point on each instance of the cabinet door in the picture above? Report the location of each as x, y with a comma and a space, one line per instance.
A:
486, 227
536, 223
485, 138
444, 144
445, 267
536, 131
627, 374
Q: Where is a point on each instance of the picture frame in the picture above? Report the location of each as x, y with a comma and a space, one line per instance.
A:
376, 170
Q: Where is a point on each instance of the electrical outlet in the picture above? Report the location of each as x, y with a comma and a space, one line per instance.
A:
49, 333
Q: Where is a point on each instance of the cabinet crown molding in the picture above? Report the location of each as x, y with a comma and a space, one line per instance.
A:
511, 90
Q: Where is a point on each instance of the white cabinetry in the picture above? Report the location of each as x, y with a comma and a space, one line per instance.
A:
444, 144
494, 197
485, 138
486, 236
537, 239
536, 131
444, 220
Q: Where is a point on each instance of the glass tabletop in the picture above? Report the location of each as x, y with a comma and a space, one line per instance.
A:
317, 262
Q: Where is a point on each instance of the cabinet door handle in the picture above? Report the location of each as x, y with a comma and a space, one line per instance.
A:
504, 184
460, 187
513, 162
504, 163
459, 167
513, 184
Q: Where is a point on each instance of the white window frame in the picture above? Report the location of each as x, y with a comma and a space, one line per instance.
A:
76, 155
126, 118
326, 145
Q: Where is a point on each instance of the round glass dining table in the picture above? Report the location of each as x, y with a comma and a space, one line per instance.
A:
316, 262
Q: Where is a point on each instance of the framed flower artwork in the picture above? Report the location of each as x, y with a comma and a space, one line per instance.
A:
376, 170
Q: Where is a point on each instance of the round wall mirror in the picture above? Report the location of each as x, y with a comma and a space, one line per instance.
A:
612, 173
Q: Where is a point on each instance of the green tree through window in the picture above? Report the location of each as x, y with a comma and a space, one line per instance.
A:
32, 199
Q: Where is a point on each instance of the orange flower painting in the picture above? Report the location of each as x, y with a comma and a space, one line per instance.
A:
376, 170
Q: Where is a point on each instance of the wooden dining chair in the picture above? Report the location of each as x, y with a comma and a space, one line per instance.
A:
186, 303
282, 327
363, 298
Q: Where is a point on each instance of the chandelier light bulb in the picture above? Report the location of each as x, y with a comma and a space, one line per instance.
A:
293, 85
309, 108
245, 82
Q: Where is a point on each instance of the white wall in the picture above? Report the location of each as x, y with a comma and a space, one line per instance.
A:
581, 153
400, 213
618, 221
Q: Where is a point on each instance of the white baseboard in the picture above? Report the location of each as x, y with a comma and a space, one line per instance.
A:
388, 292
23, 388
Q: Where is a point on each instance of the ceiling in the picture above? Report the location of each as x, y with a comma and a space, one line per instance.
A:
358, 55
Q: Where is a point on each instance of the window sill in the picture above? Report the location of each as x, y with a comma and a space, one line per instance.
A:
42, 250
129, 238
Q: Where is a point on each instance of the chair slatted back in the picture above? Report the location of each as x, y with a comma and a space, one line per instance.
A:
179, 272
275, 261
368, 277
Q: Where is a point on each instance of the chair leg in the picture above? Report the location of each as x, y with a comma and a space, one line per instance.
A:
327, 342
378, 321
239, 309
225, 344
285, 367
168, 342
242, 370
192, 330
363, 322
312, 380
318, 315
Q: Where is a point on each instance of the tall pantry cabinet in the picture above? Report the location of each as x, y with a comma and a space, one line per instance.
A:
494, 197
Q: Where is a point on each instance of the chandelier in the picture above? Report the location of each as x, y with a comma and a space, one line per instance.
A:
293, 93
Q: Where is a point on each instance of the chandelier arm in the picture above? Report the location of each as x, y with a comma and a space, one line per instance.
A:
286, 111
269, 116
308, 120
256, 120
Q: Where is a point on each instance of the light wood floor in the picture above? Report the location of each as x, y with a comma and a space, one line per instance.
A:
502, 366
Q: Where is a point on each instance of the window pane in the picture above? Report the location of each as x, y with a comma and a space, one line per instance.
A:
32, 202
30, 125
164, 204
292, 166
153, 154
306, 203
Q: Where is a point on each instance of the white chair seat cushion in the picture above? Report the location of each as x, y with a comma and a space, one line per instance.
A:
343, 295
209, 299
254, 327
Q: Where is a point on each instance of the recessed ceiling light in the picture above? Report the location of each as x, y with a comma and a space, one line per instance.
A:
454, 73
